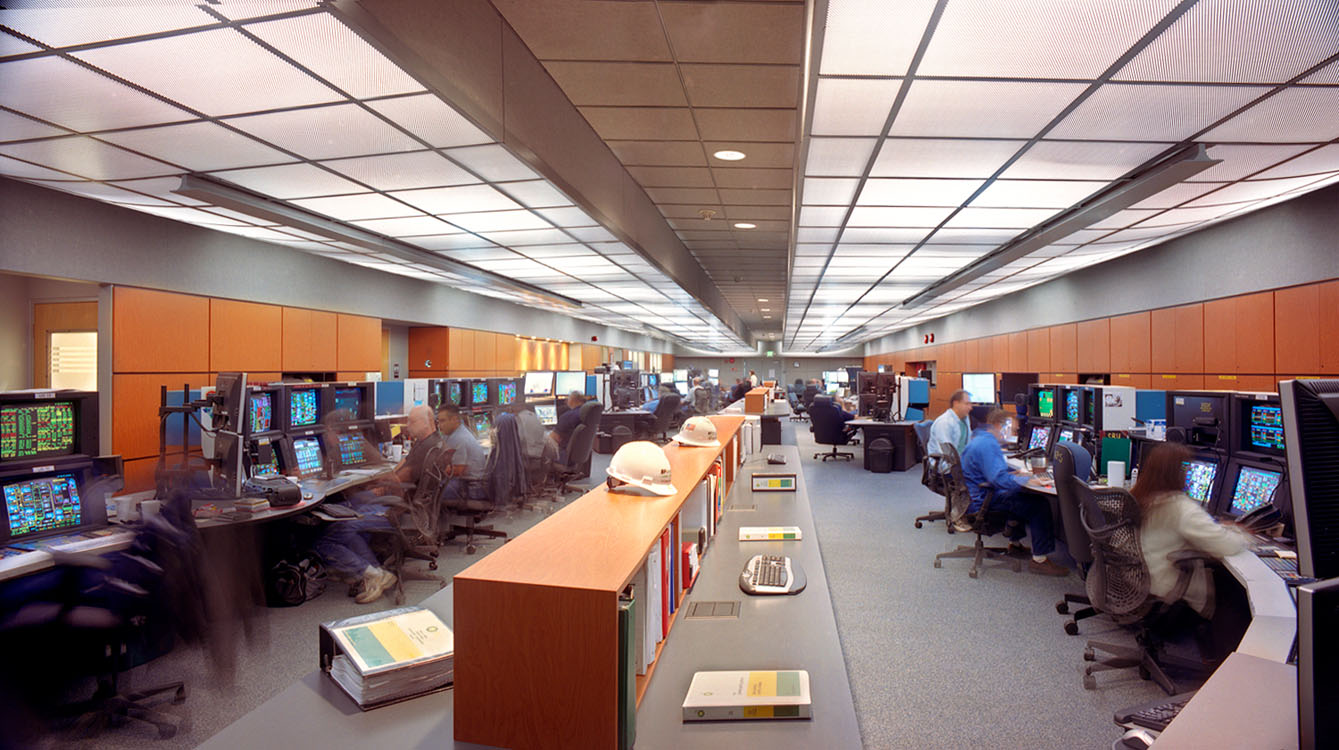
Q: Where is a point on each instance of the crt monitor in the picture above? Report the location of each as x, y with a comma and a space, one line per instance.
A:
1041, 402
262, 410
264, 458
1068, 435
482, 424
506, 392
1249, 485
1202, 414
980, 385
454, 392
1202, 476
479, 393
667, 377
307, 456
547, 413
681, 376
1311, 430
34, 429
566, 382
539, 384
1073, 408
305, 406
1257, 425
714, 373
1039, 437
352, 449
653, 379
356, 398
41, 504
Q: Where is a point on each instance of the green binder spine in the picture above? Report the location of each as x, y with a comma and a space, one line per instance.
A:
627, 670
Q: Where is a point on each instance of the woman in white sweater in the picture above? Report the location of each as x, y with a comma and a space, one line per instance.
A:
1172, 522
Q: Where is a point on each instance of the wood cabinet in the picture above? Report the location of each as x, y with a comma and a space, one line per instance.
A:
1130, 351
1093, 346
429, 350
358, 348
245, 336
1064, 347
1239, 334
1038, 350
159, 331
309, 340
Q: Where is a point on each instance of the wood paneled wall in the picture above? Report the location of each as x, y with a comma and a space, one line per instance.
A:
165, 338
1248, 342
466, 353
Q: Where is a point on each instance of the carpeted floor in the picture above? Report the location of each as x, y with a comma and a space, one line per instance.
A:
936, 659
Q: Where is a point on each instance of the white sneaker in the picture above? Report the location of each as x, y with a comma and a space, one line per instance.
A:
375, 583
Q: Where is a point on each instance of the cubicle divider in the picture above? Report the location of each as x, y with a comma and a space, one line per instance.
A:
536, 622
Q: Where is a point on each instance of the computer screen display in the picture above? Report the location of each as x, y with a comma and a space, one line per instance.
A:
1073, 404
36, 430
266, 468
454, 392
681, 376
352, 449
834, 389
350, 399
652, 379
1090, 410
980, 386
667, 377
1067, 434
1267, 428
547, 413
539, 384
307, 451
1038, 438
261, 408
566, 382
1046, 404
42, 504
1254, 488
304, 407
506, 393
1199, 479
479, 392
713, 373
482, 424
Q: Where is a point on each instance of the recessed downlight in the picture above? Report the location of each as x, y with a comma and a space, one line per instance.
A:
763, 299
729, 155
745, 225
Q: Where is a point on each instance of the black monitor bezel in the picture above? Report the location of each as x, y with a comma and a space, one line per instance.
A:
1216, 487
1230, 479
322, 405
85, 424
92, 515
277, 409
1225, 427
290, 457
1240, 443
367, 403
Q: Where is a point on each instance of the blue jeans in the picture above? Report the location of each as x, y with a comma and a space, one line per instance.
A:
459, 488
1033, 509
343, 545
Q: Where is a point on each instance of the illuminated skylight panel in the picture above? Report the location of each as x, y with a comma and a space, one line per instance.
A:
15, 168
494, 163
838, 157
885, 235
433, 120
16, 128
87, 157
328, 132
288, 181
918, 192
983, 109
198, 146
822, 216
1151, 112
409, 226
498, 221
904, 157
58, 27
250, 80
1294, 115
1037, 193
1090, 160
517, 238
357, 207
463, 200
328, 48
404, 171
852, 106
862, 37
59, 91
1006, 218
897, 216
1321, 161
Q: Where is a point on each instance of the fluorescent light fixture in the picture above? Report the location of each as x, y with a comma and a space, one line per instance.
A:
729, 155
253, 204
763, 299
745, 225
1160, 174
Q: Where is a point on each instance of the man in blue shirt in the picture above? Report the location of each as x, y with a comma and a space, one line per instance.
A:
983, 463
467, 460
567, 423
950, 428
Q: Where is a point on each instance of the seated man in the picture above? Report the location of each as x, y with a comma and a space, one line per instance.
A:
343, 544
468, 458
701, 397
951, 428
567, 423
534, 438
983, 463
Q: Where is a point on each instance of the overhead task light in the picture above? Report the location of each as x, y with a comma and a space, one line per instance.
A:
745, 225
245, 201
1162, 172
729, 155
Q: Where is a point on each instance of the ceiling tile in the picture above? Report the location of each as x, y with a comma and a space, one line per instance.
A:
28, 85
16, 128
290, 181
58, 27
357, 207
324, 45
863, 38
535, 194
404, 171
87, 157
755, 197
1037, 193
994, 109
1009, 218
252, 79
747, 124
561, 29
430, 118
452, 200
752, 213
685, 177
756, 154
1294, 115
492, 162
906, 157
1322, 160
884, 216
659, 153
1081, 160
838, 157
199, 146
687, 210
1151, 113
1239, 161
15, 168
705, 196
742, 85
920, 192
743, 177
641, 123
853, 106
735, 32
327, 132
619, 84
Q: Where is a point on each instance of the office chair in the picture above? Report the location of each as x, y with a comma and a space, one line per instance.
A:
797, 411
1118, 586
474, 507
579, 448
415, 532
828, 427
930, 474
807, 397
1073, 461
984, 522
659, 422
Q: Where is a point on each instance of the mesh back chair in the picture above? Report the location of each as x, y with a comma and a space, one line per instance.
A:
660, 421
473, 507
1118, 586
930, 474
415, 523
984, 522
827, 425
1072, 461
579, 447
807, 397
797, 411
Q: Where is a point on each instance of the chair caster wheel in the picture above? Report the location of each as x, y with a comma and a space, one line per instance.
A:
918, 524
939, 563
972, 574
1071, 628
1144, 674
469, 550
1088, 654
1062, 608
432, 565
1089, 682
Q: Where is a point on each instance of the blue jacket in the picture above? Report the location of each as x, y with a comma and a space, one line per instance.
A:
983, 462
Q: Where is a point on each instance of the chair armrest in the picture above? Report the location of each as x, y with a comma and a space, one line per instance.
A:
1187, 561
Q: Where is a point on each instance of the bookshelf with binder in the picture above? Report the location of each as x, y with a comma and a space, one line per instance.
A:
537, 634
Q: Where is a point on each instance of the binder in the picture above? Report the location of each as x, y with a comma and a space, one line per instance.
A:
386, 657
640, 625
654, 608
627, 679
760, 694
666, 593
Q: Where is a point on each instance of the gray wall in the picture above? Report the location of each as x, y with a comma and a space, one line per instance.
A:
15, 331
1295, 242
399, 351
49, 233
786, 370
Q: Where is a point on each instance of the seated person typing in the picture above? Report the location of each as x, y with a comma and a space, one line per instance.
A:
567, 423
983, 464
951, 428
1171, 522
467, 461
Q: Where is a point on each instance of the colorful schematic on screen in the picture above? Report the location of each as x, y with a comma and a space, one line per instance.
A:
1199, 479
506, 393
37, 430
266, 468
1067, 436
1255, 487
479, 393
482, 424
1038, 438
303, 408
349, 399
262, 412
454, 391
351, 450
1267, 427
1046, 404
1073, 403
307, 451
42, 504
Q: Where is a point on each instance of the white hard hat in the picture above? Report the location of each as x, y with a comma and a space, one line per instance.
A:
642, 463
698, 431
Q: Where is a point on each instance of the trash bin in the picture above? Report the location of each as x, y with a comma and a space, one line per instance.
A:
879, 455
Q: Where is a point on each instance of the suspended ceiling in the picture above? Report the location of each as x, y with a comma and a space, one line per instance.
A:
934, 134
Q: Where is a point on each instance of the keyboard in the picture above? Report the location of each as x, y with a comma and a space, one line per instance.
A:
1284, 567
771, 574
1155, 715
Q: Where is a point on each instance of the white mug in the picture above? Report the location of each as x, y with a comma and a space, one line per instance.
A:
396, 451
126, 510
1116, 473
151, 508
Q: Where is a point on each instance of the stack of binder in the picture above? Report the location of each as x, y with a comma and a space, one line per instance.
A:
390, 656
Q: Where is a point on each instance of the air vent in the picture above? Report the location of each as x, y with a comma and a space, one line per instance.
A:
712, 611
